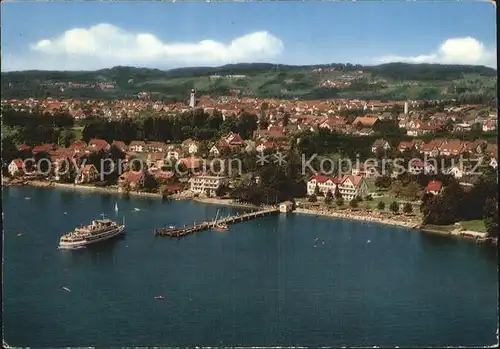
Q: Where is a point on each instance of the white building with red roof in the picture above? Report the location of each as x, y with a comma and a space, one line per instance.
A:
332, 123
494, 160
156, 160
120, 145
204, 183
349, 186
234, 140
137, 146
267, 146
416, 167
42, 148
78, 146
16, 167
132, 179
220, 147
96, 145
89, 174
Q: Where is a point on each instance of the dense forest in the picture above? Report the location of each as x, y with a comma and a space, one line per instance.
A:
38, 128
457, 203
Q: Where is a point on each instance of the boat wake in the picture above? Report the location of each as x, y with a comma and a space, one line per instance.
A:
71, 248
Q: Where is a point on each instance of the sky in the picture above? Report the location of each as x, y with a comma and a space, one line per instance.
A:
164, 35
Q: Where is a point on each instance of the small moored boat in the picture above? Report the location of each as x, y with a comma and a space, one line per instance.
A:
219, 226
158, 297
66, 289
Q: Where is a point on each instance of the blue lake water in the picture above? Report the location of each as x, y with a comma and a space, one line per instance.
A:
282, 280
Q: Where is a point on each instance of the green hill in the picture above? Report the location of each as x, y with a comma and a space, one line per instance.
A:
395, 81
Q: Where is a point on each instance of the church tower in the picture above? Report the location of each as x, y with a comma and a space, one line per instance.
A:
191, 98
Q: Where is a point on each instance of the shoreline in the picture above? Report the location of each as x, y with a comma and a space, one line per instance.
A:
392, 222
354, 217
114, 191
228, 202
80, 187
223, 202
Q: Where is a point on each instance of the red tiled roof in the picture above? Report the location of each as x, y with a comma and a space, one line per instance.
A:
156, 156
18, 162
131, 176
270, 145
24, 147
119, 144
406, 145
429, 127
43, 147
191, 162
452, 146
434, 186
427, 147
222, 143
78, 145
334, 121
365, 121
60, 157
87, 168
174, 187
319, 178
53, 105
234, 139
417, 163
98, 143
323, 179
354, 179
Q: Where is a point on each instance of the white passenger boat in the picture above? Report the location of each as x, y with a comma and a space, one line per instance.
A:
100, 230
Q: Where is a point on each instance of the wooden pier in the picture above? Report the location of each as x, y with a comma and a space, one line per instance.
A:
180, 232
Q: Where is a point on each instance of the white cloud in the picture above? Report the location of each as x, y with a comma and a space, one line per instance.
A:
453, 51
105, 45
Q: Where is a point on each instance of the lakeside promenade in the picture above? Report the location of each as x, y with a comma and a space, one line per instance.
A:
407, 223
82, 187
114, 190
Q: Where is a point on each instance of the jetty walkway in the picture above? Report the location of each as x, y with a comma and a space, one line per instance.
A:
180, 232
